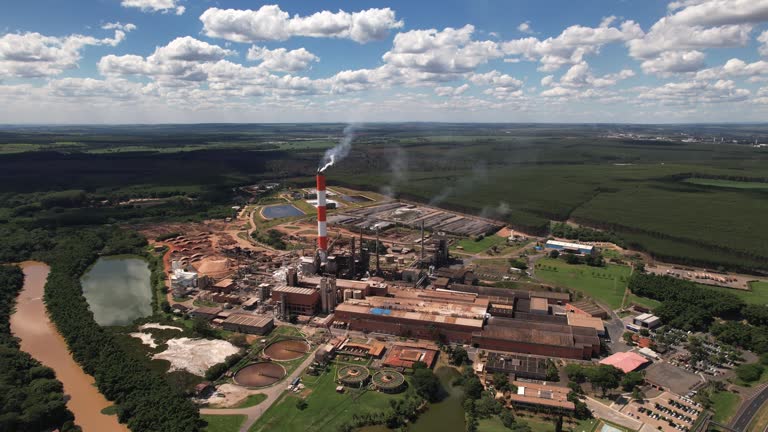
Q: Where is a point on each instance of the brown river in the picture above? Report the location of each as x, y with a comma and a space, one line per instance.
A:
40, 339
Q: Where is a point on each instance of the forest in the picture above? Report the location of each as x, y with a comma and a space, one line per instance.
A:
31, 398
688, 306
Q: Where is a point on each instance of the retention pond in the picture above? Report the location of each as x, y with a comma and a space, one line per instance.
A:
118, 290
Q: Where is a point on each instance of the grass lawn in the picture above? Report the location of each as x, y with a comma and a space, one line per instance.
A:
252, 400
326, 409
472, 246
223, 423
642, 301
605, 284
724, 405
757, 295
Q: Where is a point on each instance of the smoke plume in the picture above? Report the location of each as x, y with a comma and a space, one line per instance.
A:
398, 166
341, 150
462, 184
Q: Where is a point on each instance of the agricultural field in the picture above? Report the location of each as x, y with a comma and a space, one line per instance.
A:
727, 183
605, 284
663, 197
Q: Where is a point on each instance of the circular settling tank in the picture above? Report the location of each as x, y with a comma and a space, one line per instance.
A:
353, 376
285, 350
389, 381
260, 374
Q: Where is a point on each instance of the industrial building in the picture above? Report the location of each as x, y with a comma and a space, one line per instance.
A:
406, 354
626, 361
542, 398
539, 338
576, 248
647, 320
251, 324
517, 366
206, 312
296, 300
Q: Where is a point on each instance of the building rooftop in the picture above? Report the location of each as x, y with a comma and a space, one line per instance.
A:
626, 361
248, 320
294, 290
546, 395
579, 320
539, 304
208, 310
363, 307
224, 283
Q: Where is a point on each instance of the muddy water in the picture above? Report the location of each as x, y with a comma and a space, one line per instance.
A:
40, 338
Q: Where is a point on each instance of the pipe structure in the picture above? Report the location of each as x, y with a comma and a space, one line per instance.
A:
322, 229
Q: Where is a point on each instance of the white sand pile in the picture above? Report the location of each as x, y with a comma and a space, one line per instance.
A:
146, 339
231, 395
196, 355
158, 326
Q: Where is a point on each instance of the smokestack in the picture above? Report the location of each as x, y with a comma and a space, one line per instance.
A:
378, 269
322, 229
421, 264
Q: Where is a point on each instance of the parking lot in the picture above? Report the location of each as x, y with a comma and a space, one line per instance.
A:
666, 412
671, 377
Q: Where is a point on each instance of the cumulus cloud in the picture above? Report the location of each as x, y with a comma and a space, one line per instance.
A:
451, 91
440, 53
670, 62
763, 39
581, 75
272, 23
128, 27
695, 93
674, 42
112, 89
572, 45
525, 27
735, 68
27, 55
163, 6
181, 59
281, 59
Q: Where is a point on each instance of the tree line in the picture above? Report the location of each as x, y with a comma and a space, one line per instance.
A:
31, 398
145, 401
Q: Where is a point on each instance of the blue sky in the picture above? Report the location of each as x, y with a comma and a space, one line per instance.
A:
157, 61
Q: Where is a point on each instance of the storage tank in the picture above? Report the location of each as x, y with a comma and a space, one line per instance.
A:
357, 294
347, 294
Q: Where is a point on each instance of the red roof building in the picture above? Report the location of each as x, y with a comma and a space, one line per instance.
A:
626, 361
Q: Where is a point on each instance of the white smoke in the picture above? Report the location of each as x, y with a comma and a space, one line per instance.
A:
462, 184
398, 166
341, 150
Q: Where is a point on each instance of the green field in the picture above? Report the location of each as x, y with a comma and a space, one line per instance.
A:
604, 284
642, 301
727, 183
223, 423
326, 409
724, 405
252, 400
472, 246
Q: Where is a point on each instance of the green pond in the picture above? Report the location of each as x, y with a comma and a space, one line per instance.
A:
444, 416
118, 290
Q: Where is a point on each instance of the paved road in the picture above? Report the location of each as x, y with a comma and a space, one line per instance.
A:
605, 412
749, 409
273, 393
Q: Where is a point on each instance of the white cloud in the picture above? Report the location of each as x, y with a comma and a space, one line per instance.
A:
763, 39
181, 59
163, 6
128, 27
547, 80
695, 93
670, 62
451, 91
734, 68
92, 88
31, 54
271, 23
571, 45
281, 59
525, 27
439, 54
721, 12
580, 75
559, 92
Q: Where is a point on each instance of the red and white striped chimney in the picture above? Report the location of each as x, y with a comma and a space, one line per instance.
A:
322, 229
